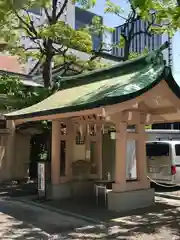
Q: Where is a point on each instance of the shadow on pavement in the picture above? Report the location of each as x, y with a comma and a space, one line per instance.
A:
128, 225
139, 224
158, 222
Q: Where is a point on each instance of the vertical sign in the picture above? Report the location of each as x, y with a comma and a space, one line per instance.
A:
41, 178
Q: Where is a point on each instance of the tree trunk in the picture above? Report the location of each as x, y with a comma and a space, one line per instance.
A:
47, 71
47, 65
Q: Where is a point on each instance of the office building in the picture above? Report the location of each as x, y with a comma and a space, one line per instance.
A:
140, 41
84, 18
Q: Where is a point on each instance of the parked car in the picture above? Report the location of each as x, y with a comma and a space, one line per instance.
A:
163, 161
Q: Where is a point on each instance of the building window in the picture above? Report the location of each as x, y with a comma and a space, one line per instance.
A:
84, 18
36, 11
80, 140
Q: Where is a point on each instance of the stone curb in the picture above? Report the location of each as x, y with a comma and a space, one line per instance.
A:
53, 209
169, 196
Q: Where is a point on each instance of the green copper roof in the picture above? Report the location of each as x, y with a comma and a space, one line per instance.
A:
100, 88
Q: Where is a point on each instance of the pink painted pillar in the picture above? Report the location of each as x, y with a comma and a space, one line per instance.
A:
55, 152
71, 131
141, 162
87, 142
120, 157
10, 149
99, 151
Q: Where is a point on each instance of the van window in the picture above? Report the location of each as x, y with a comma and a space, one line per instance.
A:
157, 149
177, 149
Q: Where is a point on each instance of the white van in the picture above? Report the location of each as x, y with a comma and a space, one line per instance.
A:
163, 161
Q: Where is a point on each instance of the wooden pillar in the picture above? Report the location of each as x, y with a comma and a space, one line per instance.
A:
120, 157
71, 131
55, 152
87, 143
141, 162
10, 150
99, 151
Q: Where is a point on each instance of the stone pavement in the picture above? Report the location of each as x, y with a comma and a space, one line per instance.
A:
22, 221
160, 221
26, 218
169, 192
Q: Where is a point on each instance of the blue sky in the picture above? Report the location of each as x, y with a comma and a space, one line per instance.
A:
111, 20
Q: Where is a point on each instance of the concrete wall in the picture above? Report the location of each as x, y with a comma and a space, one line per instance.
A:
14, 158
3, 163
22, 156
69, 14
79, 152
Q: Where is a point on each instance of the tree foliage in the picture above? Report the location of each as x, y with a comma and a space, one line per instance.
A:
167, 13
16, 95
129, 33
51, 38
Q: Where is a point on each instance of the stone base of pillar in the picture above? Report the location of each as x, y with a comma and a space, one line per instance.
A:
125, 201
73, 189
82, 189
60, 191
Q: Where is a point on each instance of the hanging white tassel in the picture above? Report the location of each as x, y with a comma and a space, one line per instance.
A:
103, 128
104, 113
95, 129
88, 129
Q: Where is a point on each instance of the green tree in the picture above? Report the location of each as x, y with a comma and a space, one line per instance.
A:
15, 95
128, 33
50, 40
167, 14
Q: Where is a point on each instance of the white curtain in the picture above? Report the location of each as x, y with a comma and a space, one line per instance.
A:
131, 172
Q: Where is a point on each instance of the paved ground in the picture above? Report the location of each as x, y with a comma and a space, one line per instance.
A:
174, 191
21, 221
25, 222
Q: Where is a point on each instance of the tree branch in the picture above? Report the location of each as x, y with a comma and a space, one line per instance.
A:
32, 27
47, 14
54, 10
31, 48
36, 66
62, 9
121, 16
139, 33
